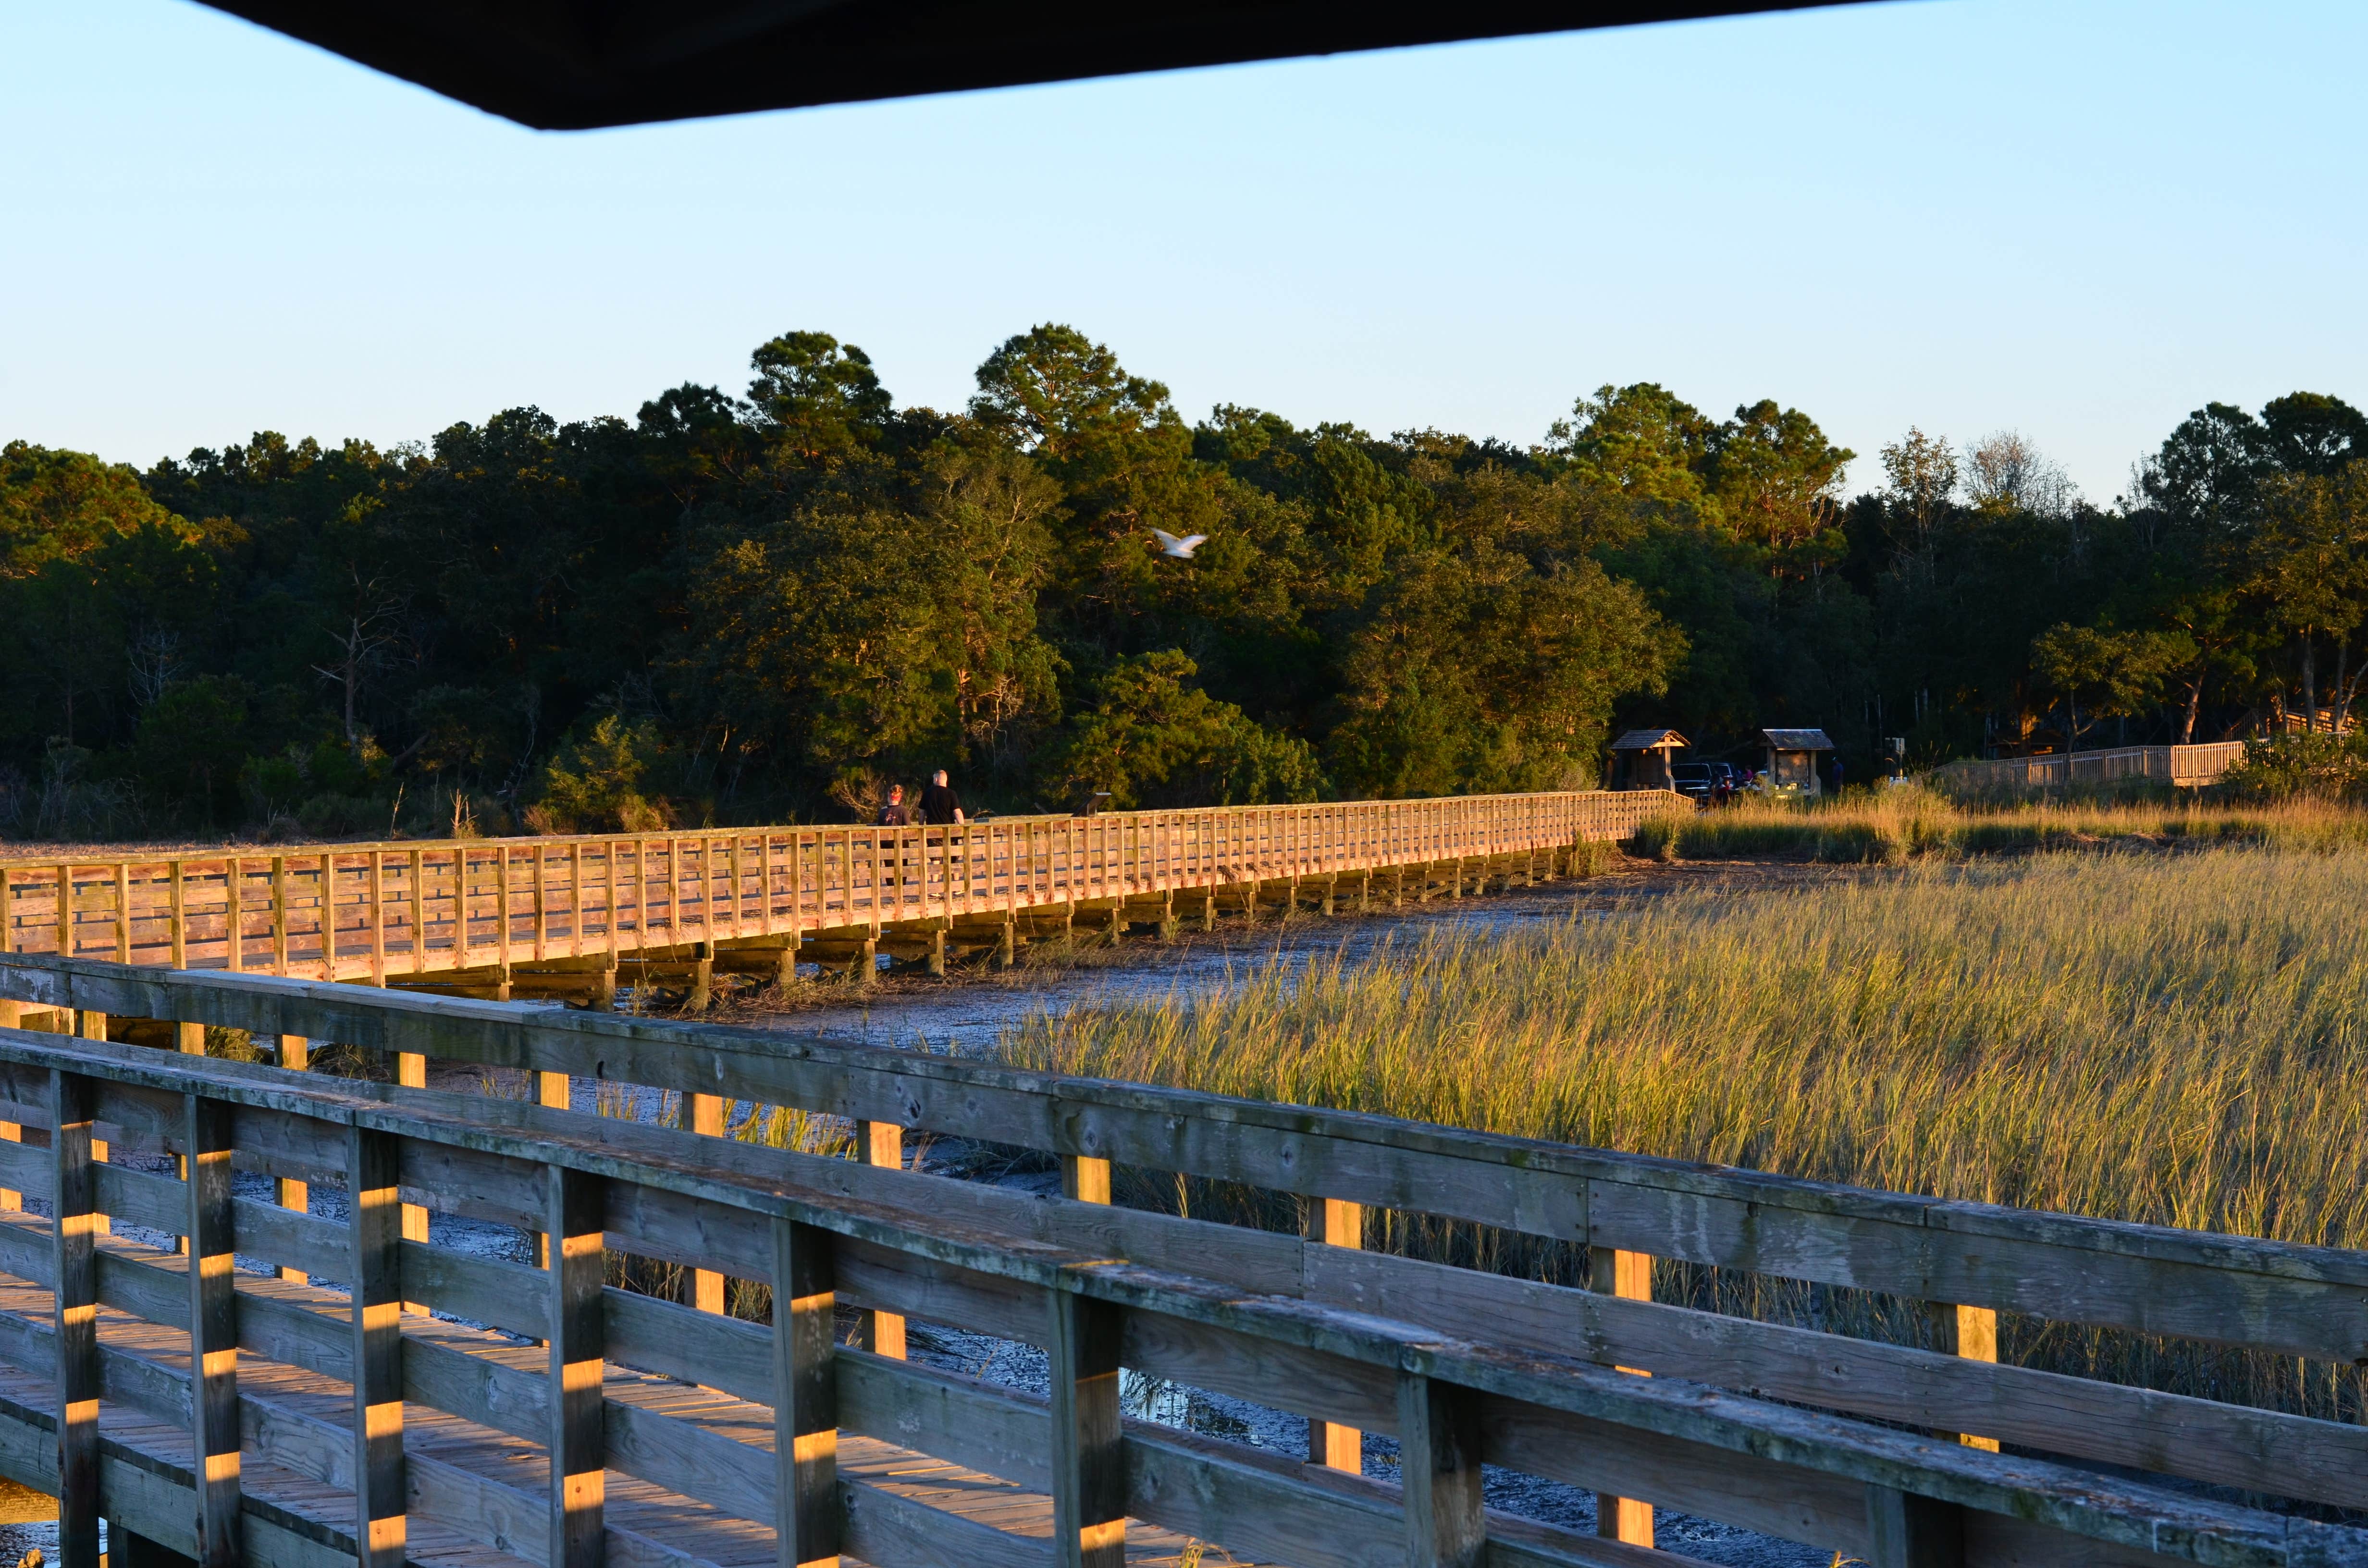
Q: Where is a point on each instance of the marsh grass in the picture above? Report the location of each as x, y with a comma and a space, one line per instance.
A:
2176, 1039
1908, 822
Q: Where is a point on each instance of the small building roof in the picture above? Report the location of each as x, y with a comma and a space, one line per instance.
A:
1798, 740
1649, 740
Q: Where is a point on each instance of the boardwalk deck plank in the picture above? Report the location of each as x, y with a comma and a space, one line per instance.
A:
633, 1505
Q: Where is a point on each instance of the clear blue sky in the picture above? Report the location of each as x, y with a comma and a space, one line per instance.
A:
2079, 220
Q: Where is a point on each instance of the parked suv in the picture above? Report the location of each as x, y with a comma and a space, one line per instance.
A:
1699, 779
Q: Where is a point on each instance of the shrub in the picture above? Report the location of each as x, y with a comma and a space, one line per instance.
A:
2312, 766
337, 816
599, 781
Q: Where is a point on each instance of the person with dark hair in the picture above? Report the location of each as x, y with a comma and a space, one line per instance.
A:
896, 813
940, 807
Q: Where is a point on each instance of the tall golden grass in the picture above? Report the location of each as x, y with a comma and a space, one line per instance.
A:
2174, 1039
1909, 823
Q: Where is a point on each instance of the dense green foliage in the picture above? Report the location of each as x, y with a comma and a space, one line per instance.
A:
731, 608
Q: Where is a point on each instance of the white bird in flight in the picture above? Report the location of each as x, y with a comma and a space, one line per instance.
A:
1181, 549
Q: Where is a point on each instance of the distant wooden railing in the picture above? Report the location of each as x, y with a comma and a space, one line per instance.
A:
382, 912
2186, 766
1462, 1365
328, 1427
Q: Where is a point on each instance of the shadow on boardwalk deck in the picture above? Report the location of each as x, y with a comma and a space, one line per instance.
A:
286, 1463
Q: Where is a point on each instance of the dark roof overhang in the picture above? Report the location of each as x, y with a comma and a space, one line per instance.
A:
573, 64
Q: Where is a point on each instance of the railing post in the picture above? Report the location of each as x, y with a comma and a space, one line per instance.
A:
882, 1143
805, 1397
289, 1192
12, 1016
701, 1114
609, 852
551, 1090
574, 1219
376, 896
122, 912
327, 921
1439, 1442
1338, 1223
1971, 1333
1088, 1461
75, 1262
418, 913
1085, 1178
279, 914
411, 1072
502, 914
1904, 1530
1628, 1275
88, 1024
214, 1332
375, 1233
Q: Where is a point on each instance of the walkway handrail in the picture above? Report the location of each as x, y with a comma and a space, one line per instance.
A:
377, 911
2188, 766
818, 1231
1975, 1259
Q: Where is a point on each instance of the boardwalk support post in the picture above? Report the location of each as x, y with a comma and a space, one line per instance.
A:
1904, 1530
805, 1396
376, 1229
1969, 1331
1439, 1438
1628, 1275
75, 1259
1088, 1459
1335, 1222
578, 1451
882, 1143
214, 1332
289, 1192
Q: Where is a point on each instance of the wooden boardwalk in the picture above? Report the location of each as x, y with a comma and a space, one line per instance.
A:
483, 1487
553, 1417
505, 917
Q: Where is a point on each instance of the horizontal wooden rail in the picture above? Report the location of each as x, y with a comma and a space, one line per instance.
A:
492, 908
500, 1448
2187, 767
1977, 1259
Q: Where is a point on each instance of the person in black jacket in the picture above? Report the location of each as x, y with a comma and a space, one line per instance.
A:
896, 813
939, 806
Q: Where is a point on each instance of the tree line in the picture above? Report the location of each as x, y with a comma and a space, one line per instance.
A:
768, 607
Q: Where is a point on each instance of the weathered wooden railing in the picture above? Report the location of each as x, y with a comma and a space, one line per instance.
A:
2186, 766
1462, 1367
492, 907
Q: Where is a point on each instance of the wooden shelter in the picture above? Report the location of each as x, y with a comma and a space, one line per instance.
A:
1793, 760
1641, 760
